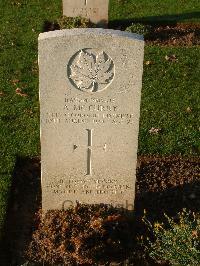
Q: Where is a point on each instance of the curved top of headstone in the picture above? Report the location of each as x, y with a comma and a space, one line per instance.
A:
91, 32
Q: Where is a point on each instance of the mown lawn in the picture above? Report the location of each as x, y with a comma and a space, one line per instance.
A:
170, 102
170, 88
20, 24
155, 10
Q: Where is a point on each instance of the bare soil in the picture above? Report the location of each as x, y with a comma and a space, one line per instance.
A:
174, 35
164, 185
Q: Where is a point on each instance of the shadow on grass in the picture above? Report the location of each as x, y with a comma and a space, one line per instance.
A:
50, 26
155, 20
24, 201
161, 188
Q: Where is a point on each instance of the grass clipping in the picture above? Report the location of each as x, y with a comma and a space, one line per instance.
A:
85, 234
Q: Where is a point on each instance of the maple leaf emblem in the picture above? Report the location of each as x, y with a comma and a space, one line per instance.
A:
90, 72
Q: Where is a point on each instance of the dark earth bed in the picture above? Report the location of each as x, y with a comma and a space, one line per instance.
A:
164, 185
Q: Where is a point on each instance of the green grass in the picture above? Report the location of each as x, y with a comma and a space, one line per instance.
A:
168, 87
155, 10
20, 24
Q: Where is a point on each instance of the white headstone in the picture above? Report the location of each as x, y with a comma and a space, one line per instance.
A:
95, 10
90, 89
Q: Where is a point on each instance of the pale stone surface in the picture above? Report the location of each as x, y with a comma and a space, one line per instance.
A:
90, 89
95, 10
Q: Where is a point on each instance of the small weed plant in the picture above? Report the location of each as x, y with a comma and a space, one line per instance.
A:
177, 242
76, 22
139, 28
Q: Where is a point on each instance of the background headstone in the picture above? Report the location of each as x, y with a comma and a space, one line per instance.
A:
90, 89
95, 10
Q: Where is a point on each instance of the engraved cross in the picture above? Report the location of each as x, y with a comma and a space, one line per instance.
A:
89, 150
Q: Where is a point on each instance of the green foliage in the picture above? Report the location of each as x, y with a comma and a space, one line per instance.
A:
177, 242
77, 22
139, 28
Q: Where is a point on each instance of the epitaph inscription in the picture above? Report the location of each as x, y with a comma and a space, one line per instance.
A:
90, 106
